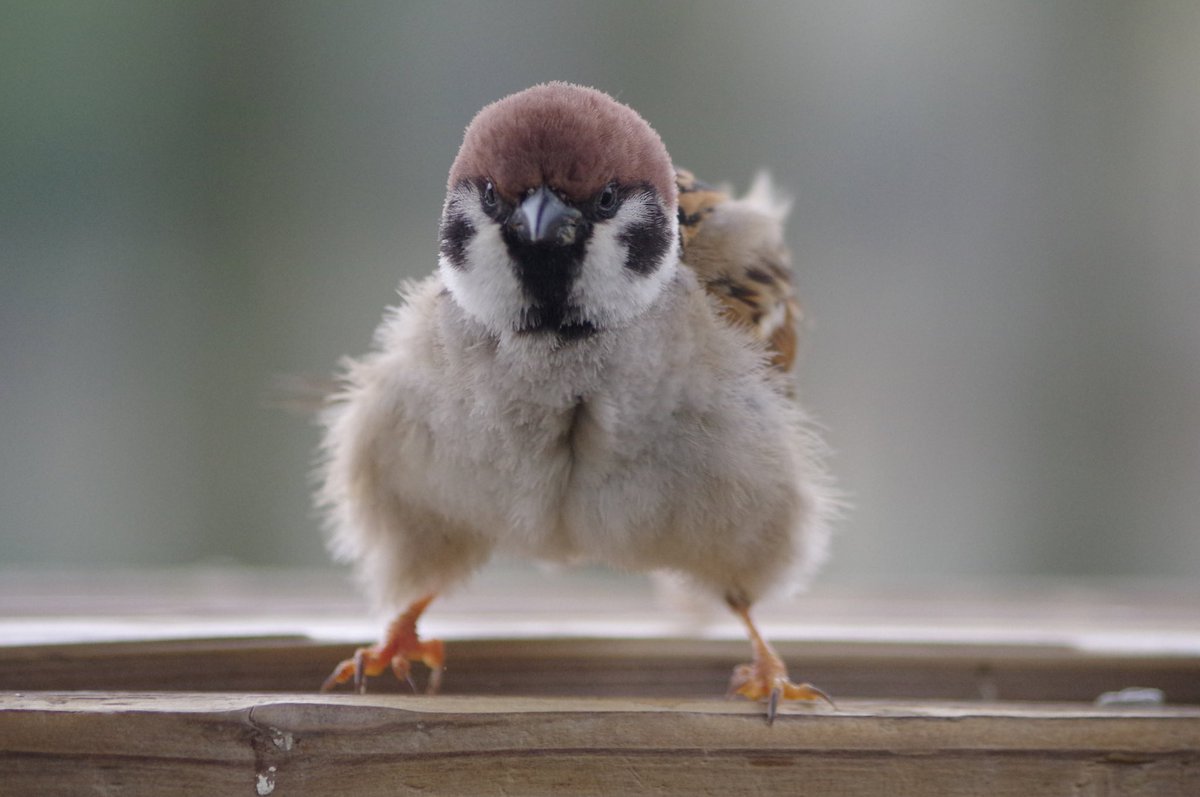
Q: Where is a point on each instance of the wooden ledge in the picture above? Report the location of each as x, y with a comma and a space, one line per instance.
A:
220, 743
202, 683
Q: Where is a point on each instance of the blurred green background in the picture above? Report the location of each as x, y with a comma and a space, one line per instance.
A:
996, 229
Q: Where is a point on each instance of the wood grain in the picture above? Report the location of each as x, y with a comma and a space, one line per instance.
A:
664, 668
134, 744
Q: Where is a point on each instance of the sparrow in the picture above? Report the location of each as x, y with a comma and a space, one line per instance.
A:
599, 370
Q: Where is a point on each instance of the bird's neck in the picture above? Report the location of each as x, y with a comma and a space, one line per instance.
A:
559, 371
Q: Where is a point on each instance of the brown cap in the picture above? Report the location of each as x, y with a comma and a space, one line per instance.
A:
572, 138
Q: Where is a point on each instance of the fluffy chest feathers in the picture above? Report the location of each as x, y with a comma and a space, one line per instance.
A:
581, 449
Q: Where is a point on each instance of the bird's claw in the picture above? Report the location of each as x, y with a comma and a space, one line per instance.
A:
360, 680
364, 663
398, 650
369, 662
768, 681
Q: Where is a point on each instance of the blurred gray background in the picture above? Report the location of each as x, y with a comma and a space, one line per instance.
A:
996, 228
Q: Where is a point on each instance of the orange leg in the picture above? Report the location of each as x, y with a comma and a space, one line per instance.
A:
399, 648
766, 678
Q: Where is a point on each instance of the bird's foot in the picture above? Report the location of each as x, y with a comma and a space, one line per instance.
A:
397, 651
766, 679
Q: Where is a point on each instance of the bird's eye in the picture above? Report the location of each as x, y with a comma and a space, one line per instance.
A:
489, 196
607, 202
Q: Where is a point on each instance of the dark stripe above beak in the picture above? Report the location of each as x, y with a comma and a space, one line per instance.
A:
544, 218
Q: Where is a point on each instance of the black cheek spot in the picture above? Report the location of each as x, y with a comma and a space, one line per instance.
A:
456, 233
647, 241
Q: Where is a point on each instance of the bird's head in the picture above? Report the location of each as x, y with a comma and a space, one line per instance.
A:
560, 214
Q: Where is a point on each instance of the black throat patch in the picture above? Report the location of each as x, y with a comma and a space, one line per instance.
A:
547, 272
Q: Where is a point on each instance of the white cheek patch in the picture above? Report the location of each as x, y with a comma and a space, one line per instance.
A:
609, 294
606, 293
487, 289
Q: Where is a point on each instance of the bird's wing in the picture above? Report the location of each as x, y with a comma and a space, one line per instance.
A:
736, 248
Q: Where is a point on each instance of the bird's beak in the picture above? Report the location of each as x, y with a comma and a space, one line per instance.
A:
544, 218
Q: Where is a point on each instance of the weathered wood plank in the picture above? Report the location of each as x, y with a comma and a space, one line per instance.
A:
301, 744
671, 668
658, 729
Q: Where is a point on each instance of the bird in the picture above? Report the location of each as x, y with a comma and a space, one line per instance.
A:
600, 369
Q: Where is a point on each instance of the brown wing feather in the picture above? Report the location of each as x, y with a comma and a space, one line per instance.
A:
736, 248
